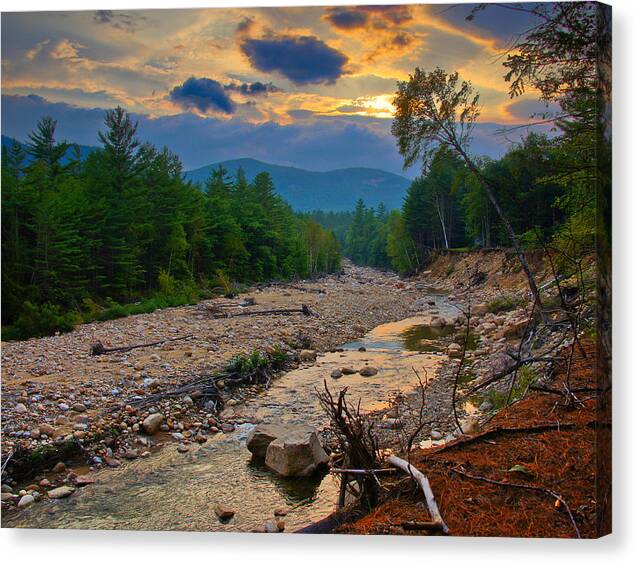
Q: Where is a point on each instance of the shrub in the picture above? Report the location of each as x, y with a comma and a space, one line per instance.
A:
504, 303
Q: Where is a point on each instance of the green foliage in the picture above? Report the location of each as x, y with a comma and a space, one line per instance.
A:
526, 376
122, 233
503, 303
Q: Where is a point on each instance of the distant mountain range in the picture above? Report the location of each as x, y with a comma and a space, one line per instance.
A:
305, 190
335, 190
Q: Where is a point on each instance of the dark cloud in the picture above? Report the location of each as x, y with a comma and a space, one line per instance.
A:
344, 18
379, 17
245, 25
127, 21
203, 94
253, 88
302, 60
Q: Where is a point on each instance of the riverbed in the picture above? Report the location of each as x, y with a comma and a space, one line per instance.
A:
172, 490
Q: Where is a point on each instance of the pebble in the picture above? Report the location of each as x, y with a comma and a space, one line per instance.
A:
26, 500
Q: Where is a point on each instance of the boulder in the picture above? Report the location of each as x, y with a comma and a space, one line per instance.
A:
296, 453
437, 322
152, 423
348, 370
454, 350
261, 436
368, 371
336, 374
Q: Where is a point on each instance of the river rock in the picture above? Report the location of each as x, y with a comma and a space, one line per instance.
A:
83, 480
307, 356
223, 511
271, 526
479, 309
437, 322
336, 374
152, 423
296, 453
21, 408
62, 491
436, 435
261, 436
368, 371
26, 500
454, 350
348, 370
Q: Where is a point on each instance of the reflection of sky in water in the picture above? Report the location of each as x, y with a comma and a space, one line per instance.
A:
175, 491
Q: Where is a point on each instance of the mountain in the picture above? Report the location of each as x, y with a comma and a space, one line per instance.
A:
335, 190
85, 150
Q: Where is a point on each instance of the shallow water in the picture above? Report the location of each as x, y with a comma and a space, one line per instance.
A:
177, 491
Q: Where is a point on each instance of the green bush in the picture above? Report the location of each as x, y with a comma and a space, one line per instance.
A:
504, 303
38, 321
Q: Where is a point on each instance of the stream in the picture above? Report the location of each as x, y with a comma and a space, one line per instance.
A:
170, 490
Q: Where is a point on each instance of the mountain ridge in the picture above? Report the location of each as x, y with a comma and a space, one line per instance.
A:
306, 190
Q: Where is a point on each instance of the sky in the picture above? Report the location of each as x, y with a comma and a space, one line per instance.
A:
309, 87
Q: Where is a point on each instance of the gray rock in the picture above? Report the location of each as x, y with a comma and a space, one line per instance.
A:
368, 371
261, 436
21, 408
336, 374
26, 500
296, 453
436, 435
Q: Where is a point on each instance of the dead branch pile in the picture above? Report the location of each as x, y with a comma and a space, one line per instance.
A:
357, 443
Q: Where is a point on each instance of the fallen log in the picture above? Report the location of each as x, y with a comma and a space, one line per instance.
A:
304, 309
422, 480
98, 348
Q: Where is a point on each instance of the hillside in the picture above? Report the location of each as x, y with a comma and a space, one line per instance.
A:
335, 190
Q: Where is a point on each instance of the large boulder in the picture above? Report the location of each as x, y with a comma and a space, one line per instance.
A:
296, 453
262, 435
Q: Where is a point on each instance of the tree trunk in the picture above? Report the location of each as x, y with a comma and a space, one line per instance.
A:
507, 225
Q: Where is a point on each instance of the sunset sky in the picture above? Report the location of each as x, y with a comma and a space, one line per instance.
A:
309, 86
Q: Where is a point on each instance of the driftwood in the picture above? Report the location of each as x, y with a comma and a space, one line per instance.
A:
98, 348
422, 480
304, 309
361, 471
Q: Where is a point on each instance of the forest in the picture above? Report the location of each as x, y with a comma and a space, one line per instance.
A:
121, 232
544, 185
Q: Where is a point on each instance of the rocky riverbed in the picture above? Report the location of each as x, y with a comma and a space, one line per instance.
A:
55, 391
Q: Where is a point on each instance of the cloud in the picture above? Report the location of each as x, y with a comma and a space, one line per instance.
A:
66, 49
119, 20
245, 25
203, 94
35, 51
343, 18
302, 60
377, 17
253, 88
319, 143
